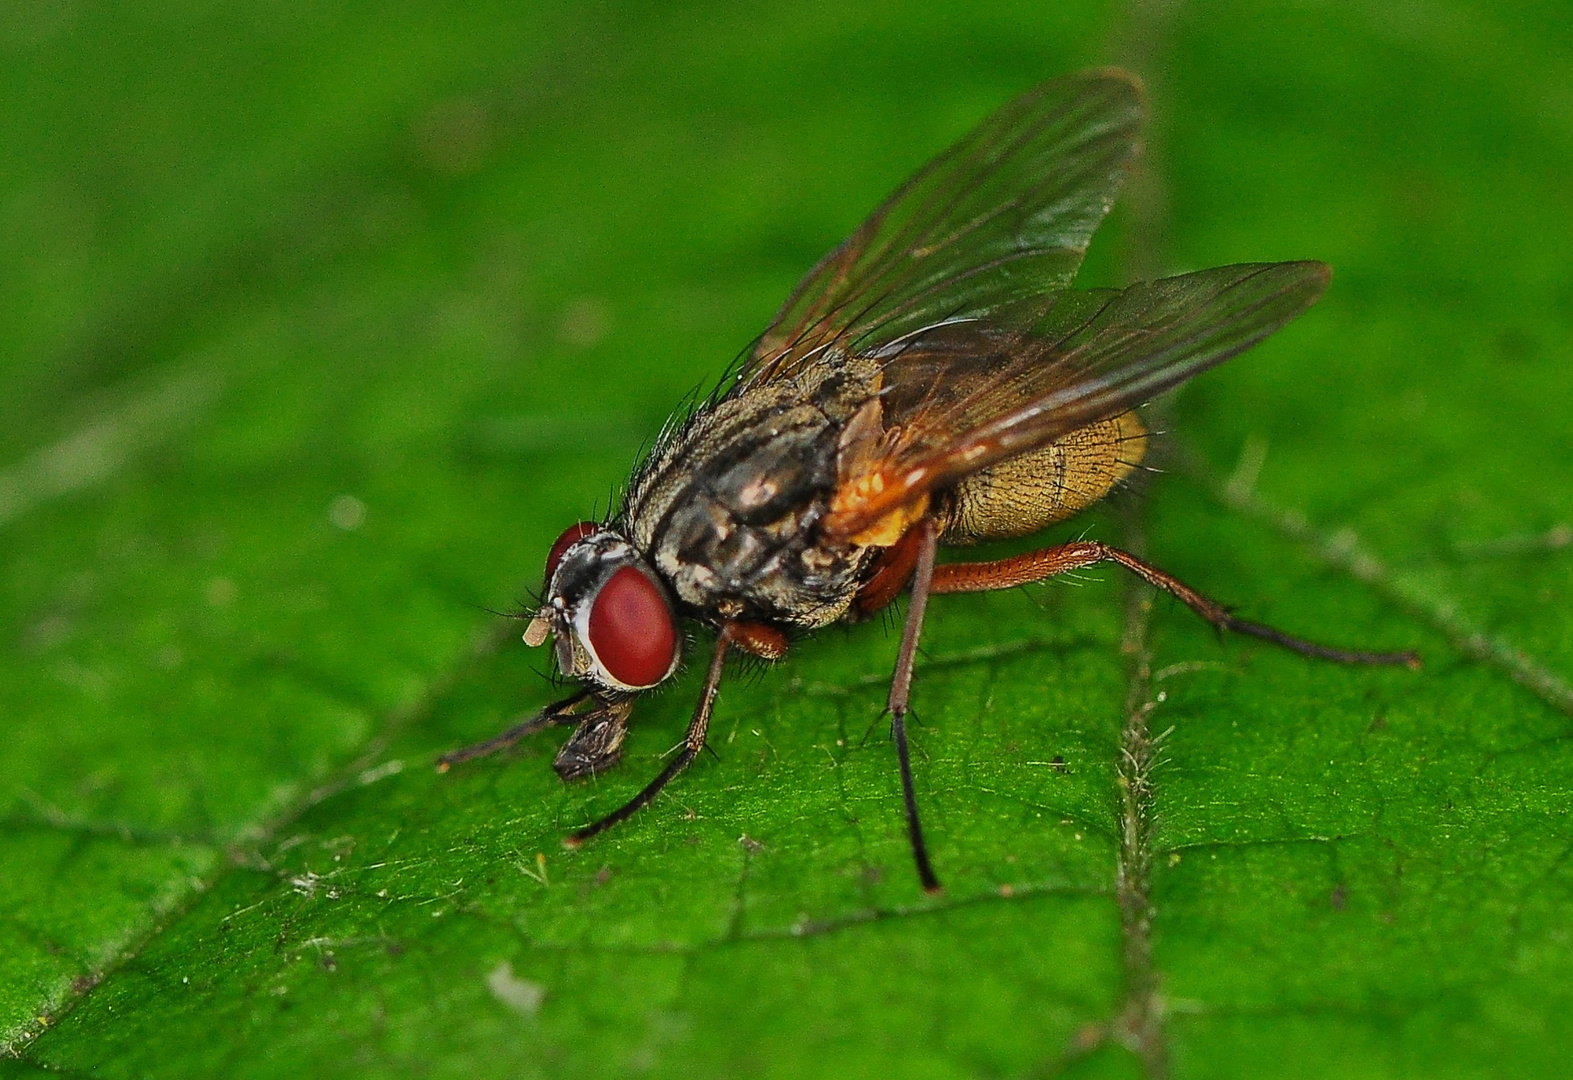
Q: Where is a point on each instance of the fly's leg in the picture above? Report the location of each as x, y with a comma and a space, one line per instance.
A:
693, 743
559, 712
900, 693
1038, 565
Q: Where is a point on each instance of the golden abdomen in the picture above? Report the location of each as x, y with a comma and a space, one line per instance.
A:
1026, 493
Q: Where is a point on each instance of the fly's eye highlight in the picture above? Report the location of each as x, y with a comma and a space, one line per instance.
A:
631, 629
570, 536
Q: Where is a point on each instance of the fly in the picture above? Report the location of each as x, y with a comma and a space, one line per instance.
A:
933, 382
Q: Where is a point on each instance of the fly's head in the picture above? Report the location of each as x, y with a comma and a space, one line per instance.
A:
609, 614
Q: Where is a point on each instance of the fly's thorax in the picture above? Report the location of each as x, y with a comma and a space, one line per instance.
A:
728, 509
613, 619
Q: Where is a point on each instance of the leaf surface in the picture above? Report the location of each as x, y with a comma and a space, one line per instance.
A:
318, 327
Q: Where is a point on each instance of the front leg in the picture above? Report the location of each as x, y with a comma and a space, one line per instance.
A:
693, 743
559, 712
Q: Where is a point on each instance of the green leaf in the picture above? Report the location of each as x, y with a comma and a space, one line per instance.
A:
319, 324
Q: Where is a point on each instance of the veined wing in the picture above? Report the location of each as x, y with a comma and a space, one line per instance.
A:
962, 396
1003, 216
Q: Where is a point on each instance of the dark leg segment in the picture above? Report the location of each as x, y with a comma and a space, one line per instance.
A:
900, 690
692, 744
1038, 565
559, 712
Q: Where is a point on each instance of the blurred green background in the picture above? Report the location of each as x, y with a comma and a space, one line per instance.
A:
319, 321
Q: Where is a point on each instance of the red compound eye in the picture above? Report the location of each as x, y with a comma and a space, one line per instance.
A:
631, 629
571, 535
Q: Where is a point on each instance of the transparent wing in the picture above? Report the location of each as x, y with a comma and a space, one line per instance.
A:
962, 396
1004, 215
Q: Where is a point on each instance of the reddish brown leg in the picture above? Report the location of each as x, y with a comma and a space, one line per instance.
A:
890, 574
693, 743
765, 642
1038, 565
